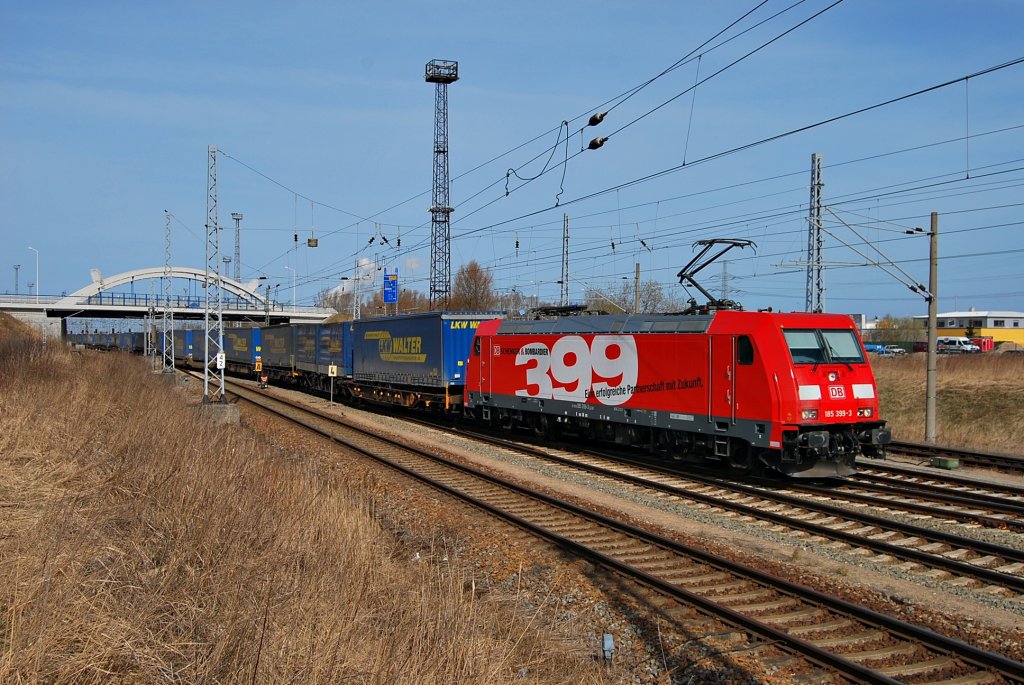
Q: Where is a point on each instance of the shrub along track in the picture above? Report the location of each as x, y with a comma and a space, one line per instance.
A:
830, 635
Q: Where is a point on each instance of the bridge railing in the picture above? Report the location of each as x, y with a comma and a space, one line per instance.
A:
176, 302
144, 301
28, 299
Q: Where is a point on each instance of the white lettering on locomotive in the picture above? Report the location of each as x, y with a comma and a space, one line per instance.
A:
572, 370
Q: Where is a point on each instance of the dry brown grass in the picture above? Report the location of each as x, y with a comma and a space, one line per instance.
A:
980, 400
140, 544
11, 327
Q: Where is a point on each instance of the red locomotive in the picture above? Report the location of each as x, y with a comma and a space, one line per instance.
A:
790, 392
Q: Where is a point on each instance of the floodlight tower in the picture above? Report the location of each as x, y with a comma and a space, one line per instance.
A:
440, 72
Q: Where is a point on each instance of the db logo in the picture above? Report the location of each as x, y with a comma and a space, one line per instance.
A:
837, 392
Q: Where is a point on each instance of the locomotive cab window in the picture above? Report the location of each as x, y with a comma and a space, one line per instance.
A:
842, 347
805, 347
744, 351
819, 347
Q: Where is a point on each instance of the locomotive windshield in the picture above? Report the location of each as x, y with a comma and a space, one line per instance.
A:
823, 347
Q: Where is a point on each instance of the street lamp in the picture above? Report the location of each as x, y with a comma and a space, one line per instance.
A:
355, 295
266, 303
37, 272
293, 285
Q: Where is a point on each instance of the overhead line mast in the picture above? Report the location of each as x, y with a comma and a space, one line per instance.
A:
165, 292
213, 310
815, 301
565, 261
440, 72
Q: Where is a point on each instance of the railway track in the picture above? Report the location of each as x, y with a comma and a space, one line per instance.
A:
836, 638
979, 506
993, 460
939, 555
938, 487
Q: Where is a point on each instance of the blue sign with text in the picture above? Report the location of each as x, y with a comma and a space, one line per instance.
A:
390, 288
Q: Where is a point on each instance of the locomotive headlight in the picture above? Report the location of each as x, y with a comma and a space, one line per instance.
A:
865, 412
833, 376
809, 414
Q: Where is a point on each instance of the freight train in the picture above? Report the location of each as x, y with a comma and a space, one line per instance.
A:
787, 392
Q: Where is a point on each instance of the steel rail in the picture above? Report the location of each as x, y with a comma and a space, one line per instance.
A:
910, 488
960, 568
972, 457
934, 641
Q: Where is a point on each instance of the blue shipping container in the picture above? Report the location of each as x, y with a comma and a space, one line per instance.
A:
278, 346
421, 350
183, 344
334, 348
241, 345
306, 346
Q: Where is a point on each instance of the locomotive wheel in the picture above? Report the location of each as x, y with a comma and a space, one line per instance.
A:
663, 440
541, 425
505, 422
740, 460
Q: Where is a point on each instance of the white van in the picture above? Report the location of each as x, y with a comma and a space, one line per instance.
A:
956, 345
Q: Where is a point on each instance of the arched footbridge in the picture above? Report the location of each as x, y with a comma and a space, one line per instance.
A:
136, 294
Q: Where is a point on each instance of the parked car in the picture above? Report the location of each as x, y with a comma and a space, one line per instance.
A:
956, 345
892, 351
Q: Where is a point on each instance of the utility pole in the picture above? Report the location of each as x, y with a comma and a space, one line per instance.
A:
933, 304
266, 308
238, 245
441, 72
636, 289
293, 287
37, 275
815, 301
355, 293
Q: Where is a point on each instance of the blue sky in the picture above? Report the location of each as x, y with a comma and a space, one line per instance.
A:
326, 127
